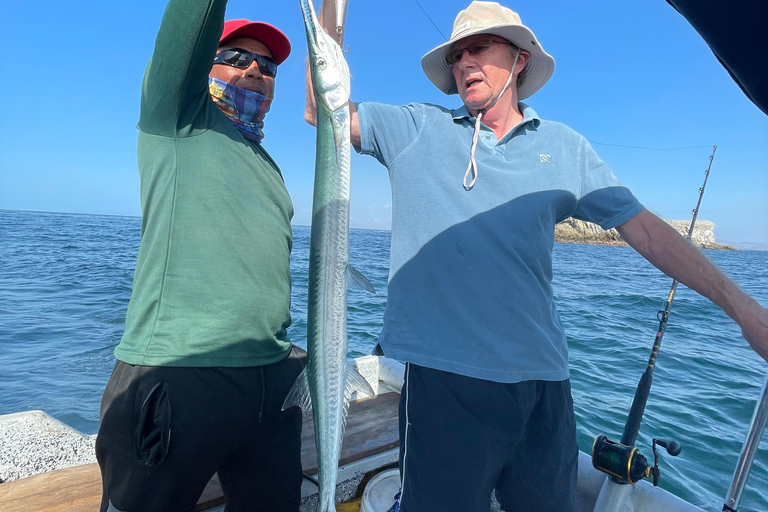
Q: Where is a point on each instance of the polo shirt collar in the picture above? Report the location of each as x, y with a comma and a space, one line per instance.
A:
528, 114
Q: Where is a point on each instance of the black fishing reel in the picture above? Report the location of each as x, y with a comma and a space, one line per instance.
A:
625, 464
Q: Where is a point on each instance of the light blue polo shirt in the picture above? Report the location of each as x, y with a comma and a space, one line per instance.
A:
470, 274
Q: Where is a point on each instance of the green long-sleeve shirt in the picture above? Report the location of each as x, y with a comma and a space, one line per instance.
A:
212, 283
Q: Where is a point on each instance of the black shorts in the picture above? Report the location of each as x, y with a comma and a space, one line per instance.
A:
165, 431
460, 438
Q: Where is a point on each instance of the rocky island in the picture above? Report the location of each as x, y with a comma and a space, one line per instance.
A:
572, 231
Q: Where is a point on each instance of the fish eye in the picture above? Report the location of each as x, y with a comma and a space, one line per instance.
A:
321, 63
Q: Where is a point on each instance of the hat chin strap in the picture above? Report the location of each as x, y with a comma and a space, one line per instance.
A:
472, 167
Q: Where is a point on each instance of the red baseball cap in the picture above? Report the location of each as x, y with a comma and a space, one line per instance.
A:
273, 38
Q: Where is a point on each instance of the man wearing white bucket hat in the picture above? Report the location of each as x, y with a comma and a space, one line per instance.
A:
476, 194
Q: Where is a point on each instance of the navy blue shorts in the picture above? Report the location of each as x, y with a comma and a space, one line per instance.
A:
461, 437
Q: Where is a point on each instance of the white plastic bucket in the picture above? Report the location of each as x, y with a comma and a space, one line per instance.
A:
379, 493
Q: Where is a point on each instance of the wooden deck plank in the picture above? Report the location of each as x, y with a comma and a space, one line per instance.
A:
371, 428
76, 489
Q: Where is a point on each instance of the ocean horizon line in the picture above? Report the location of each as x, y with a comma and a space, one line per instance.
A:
49, 212
740, 245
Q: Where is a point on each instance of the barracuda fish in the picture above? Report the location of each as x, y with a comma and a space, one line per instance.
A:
328, 378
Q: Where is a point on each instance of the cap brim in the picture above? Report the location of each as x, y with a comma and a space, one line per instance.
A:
538, 70
277, 42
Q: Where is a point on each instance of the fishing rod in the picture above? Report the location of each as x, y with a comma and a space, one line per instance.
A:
622, 460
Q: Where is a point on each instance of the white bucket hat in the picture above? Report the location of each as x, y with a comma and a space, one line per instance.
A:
490, 18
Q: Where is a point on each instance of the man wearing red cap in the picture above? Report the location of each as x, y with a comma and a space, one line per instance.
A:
205, 361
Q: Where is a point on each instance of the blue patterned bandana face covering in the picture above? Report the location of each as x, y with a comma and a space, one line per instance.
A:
246, 109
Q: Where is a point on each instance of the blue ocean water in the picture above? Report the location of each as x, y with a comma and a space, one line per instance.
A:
65, 281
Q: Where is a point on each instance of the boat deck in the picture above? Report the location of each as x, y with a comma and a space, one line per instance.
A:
371, 428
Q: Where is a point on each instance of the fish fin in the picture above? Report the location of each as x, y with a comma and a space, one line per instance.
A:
357, 280
343, 420
299, 393
356, 383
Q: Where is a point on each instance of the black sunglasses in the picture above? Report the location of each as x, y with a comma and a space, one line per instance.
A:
478, 47
241, 59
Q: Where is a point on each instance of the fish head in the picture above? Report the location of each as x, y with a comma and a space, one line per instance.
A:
329, 70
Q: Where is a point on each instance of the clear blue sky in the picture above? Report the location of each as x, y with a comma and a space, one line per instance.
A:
627, 73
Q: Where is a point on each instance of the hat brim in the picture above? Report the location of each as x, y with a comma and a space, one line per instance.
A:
538, 70
277, 42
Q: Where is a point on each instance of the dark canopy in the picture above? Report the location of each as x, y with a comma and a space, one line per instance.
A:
737, 33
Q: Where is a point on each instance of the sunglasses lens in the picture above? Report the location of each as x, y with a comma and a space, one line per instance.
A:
267, 66
236, 58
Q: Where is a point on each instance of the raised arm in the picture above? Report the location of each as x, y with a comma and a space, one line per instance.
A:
328, 22
660, 244
176, 80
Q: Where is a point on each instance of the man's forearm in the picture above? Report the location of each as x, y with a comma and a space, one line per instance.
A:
663, 247
183, 55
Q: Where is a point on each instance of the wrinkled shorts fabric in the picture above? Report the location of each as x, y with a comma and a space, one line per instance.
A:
461, 438
165, 431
